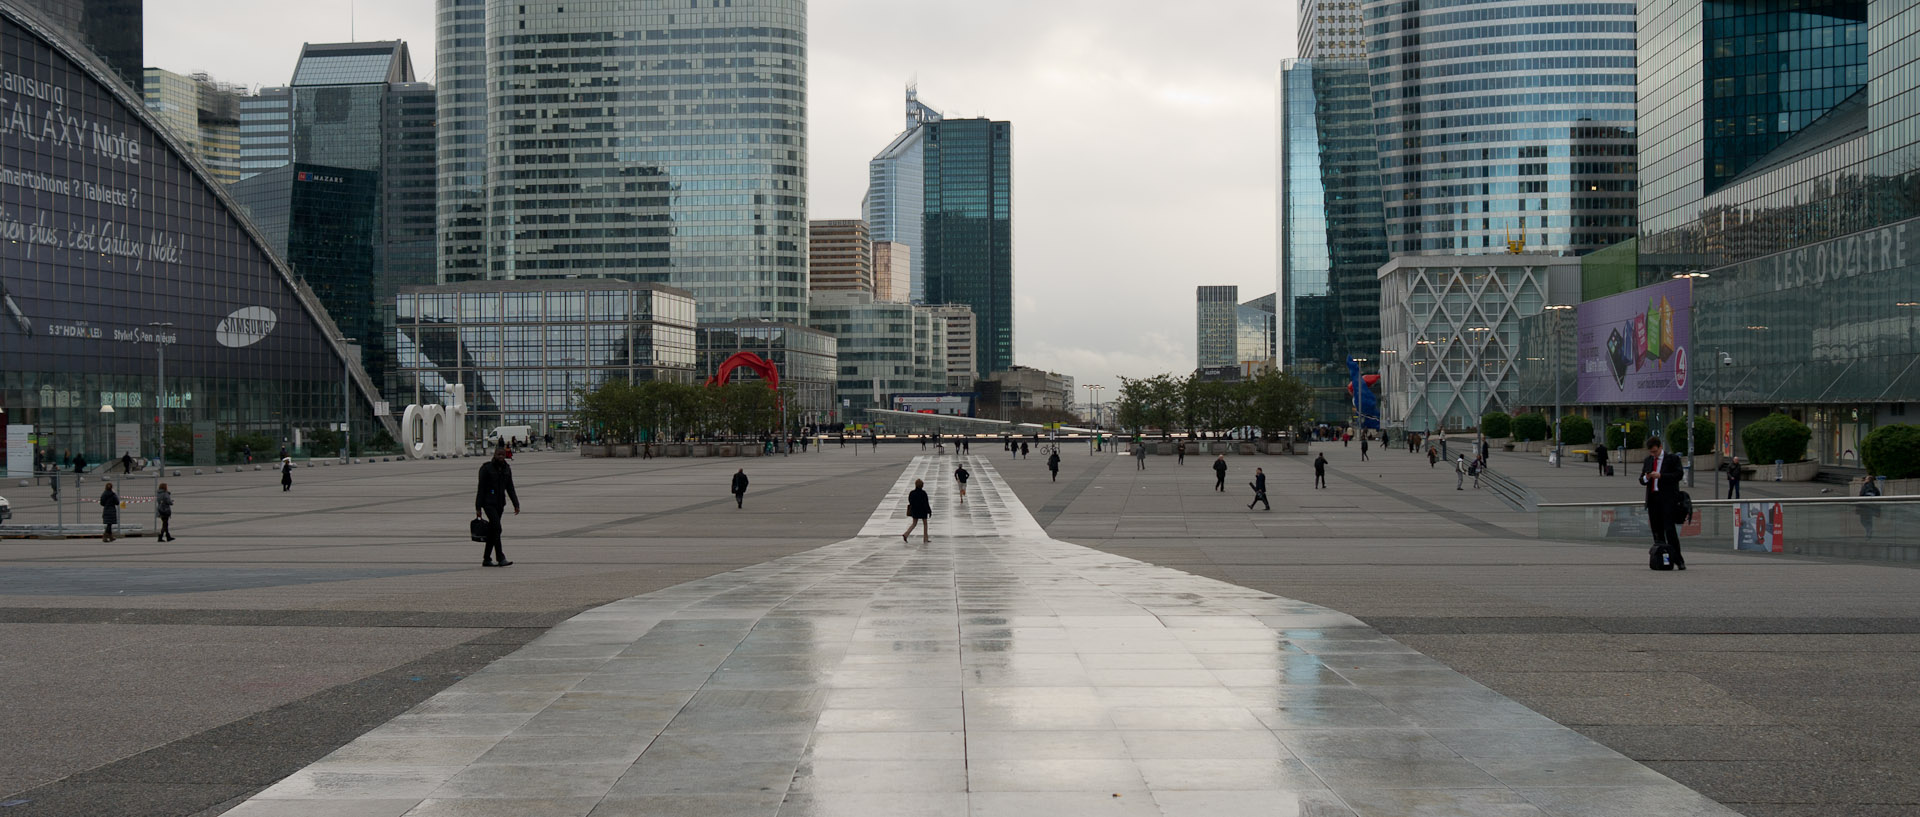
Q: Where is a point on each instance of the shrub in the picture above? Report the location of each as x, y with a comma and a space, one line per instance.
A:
1892, 451
1630, 434
1531, 427
1576, 430
1776, 437
1702, 435
1496, 424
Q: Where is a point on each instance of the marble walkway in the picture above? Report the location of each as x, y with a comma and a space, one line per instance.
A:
993, 671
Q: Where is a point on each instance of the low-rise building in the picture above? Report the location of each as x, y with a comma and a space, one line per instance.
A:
806, 358
884, 349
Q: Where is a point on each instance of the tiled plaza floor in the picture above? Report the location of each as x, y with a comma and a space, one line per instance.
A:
992, 671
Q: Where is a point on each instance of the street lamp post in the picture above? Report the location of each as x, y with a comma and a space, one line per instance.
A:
160, 340
346, 396
1093, 396
1559, 451
1691, 315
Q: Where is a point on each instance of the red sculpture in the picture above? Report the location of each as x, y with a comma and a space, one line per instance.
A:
747, 360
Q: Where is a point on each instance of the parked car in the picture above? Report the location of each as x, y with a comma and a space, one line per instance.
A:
6, 509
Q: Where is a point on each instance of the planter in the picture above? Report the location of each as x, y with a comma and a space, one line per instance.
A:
1803, 471
699, 449
1899, 487
1248, 449
1299, 446
1276, 448
727, 450
674, 450
622, 451
593, 451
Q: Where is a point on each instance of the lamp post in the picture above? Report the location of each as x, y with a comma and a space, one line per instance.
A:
1093, 396
1559, 453
346, 395
160, 340
1691, 315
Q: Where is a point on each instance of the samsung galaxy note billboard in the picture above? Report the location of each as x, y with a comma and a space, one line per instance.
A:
104, 230
1633, 347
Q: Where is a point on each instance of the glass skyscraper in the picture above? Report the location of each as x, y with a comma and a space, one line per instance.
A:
969, 228
1331, 231
1504, 121
460, 74
1214, 325
896, 192
636, 139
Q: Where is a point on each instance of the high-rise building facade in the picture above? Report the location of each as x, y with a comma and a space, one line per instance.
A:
1331, 229
883, 349
203, 113
969, 228
1331, 30
1254, 330
113, 30
892, 272
840, 257
957, 327
266, 130
1504, 121
460, 76
1216, 326
894, 207
639, 140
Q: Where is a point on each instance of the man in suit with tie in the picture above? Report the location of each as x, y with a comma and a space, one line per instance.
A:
1661, 474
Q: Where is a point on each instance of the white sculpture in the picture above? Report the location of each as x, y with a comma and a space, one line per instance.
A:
433, 431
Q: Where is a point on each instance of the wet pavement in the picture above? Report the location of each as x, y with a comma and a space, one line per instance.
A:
992, 671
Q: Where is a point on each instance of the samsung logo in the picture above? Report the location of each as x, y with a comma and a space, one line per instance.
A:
246, 327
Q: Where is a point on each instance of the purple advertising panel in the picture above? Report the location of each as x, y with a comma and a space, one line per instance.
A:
1632, 347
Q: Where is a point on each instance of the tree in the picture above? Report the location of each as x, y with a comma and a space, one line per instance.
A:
1277, 401
1496, 424
1776, 437
1531, 427
1892, 451
1209, 404
1702, 435
1151, 402
1576, 429
1629, 433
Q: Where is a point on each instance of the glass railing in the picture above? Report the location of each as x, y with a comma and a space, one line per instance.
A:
1868, 528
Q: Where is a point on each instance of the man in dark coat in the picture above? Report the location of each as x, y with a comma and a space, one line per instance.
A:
740, 488
1053, 465
1220, 473
1259, 489
1661, 474
496, 487
109, 511
1320, 470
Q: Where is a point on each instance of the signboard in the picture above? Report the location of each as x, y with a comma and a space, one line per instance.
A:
948, 404
1631, 347
19, 450
203, 439
1759, 526
126, 439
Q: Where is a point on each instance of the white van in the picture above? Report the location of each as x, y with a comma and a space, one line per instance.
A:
515, 435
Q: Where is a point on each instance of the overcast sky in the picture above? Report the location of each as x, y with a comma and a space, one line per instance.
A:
1143, 136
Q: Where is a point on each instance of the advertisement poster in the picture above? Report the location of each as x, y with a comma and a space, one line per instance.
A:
1631, 522
126, 439
1632, 347
1760, 527
19, 449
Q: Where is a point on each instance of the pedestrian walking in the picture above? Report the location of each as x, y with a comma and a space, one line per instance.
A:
286, 473
1023, 450
79, 467
126, 462
1474, 469
966, 445
1661, 474
1363, 449
1140, 456
1180, 454
740, 488
1220, 473
1053, 464
1460, 472
1486, 452
961, 475
109, 511
1433, 456
1733, 477
1320, 470
490, 501
1259, 485
163, 500
920, 511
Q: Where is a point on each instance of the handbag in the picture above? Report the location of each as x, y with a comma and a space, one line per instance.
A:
477, 528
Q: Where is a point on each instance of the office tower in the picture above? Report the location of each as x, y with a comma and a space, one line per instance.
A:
1215, 326
1504, 121
460, 74
961, 346
203, 113
892, 272
1332, 235
266, 130
1331, 30
324, 222
969, 228
839, 257
634, 140
894, 207
884, 349
111, 29
1254, 325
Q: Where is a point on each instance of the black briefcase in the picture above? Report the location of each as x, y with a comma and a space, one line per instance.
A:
477, 528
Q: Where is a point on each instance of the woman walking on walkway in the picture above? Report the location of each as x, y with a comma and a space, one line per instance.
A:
286, 473
109, 511
163, 498
920, 511
1053, 464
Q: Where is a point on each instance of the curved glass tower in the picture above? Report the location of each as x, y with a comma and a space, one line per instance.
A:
1503, 120
654, 141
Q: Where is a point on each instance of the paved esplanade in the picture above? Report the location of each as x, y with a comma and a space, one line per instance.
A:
993, 671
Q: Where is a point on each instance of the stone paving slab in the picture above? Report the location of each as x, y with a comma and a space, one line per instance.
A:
992, 671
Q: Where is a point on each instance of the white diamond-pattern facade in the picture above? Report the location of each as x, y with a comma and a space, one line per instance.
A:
1450, 332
